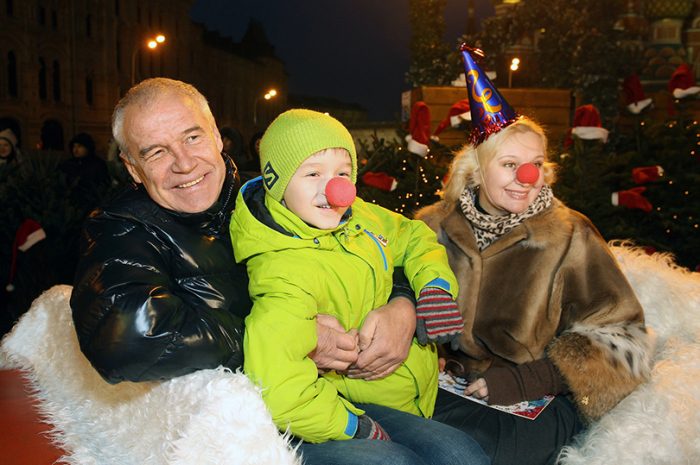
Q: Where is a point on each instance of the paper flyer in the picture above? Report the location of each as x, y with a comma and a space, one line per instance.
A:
526, 409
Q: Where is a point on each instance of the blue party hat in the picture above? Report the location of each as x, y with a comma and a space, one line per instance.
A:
490, 111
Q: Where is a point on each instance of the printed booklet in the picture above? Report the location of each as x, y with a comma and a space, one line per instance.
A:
526, 409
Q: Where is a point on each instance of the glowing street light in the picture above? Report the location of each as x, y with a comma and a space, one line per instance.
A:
514, 65
268, 95
152, 43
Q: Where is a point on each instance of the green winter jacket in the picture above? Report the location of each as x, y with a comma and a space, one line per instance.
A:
296, 272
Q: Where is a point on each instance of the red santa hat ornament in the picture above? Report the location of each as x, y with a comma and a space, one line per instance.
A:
340, 192
490, 111
587, 124
28, 234
645, 174
419, 129
458, 112
632, 198
380, 180
682, 83
634, 95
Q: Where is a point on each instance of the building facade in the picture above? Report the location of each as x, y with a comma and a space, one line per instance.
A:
65, 63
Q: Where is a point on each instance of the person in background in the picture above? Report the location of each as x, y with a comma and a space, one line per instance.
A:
157, 293
235, 148
310, 246
85, 171
254, 148
9, 153
546, 308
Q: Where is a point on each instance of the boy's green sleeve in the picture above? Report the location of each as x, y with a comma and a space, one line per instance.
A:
280, 333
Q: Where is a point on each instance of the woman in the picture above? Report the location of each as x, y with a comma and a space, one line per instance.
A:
546, 308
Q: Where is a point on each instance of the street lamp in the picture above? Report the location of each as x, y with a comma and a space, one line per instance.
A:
514, 65
152, 43
268, 95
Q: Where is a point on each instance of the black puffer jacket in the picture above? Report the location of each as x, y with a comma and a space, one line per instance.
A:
158, 294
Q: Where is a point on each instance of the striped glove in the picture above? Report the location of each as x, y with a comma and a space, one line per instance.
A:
438, 318
370, 429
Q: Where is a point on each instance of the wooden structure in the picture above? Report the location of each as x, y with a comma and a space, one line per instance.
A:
553, 108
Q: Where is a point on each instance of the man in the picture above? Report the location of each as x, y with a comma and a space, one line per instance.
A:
157, 293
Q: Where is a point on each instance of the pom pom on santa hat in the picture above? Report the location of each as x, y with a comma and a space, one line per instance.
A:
28, 234
419, 129
682, 83
587, 124
458, 112
634, 95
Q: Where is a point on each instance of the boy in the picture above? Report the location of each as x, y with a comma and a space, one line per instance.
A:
306, 254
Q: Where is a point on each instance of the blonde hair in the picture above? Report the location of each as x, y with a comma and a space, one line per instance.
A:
465, 168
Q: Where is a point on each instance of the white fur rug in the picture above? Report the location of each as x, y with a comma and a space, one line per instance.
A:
218, 417
659, 423
209, 417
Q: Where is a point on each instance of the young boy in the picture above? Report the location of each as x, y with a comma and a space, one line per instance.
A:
308, 253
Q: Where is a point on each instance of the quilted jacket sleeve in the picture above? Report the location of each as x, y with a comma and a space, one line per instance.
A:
131, 324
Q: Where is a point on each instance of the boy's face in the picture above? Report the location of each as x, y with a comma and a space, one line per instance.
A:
305, 194
501, 193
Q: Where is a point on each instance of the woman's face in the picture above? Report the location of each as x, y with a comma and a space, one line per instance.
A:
5, 148
501, 193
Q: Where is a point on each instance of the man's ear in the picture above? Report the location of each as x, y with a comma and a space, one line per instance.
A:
130, 167
217, 138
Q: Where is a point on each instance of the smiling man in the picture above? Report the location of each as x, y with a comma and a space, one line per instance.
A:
157, 293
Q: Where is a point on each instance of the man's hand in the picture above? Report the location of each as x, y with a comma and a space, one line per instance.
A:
385, 339
335, 349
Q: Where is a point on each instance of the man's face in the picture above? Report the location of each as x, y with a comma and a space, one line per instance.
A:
175, 153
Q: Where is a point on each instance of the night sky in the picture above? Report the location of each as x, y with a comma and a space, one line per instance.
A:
356, 51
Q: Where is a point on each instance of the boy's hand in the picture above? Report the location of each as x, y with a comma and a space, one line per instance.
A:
335, 349
385, 339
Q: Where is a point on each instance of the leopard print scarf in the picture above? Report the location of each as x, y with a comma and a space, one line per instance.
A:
488, 228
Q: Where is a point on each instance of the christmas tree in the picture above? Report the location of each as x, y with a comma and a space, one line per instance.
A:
432, 60
400, 180
652, 173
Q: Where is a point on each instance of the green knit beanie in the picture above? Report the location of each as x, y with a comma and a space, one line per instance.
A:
293, 137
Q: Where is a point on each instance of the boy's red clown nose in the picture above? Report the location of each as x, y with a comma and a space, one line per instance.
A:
340, 192
527, 173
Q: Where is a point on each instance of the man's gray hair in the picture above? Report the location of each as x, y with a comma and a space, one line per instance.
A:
147, 92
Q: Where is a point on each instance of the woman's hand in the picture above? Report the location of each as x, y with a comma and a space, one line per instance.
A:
478, 389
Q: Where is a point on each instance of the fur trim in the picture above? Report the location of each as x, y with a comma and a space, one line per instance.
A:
602, 365
659, 422
207, 417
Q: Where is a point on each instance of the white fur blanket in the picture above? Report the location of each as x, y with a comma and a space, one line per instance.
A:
209, 417
217, 417
658, 423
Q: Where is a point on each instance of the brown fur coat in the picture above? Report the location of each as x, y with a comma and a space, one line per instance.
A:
548, 288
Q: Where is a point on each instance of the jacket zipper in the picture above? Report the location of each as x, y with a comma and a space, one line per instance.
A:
379, 246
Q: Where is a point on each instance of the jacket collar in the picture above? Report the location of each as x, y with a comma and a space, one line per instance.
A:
214, 218
534, 231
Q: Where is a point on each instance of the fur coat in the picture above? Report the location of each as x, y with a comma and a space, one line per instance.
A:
549, 288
